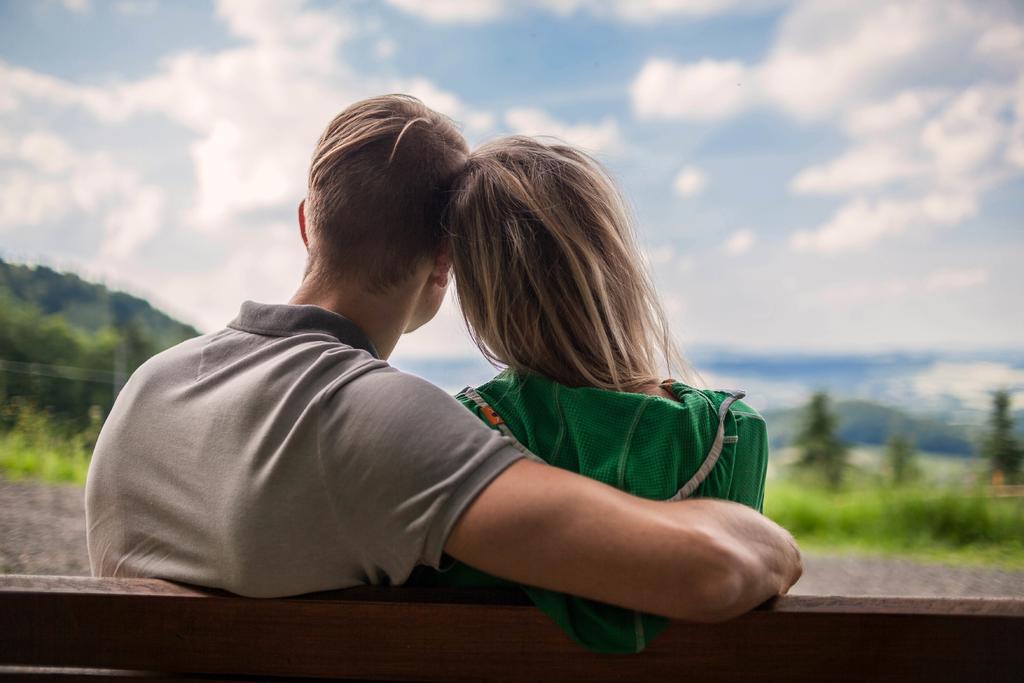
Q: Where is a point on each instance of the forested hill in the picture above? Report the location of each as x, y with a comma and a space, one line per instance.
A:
85, 305
67, 345
864, 422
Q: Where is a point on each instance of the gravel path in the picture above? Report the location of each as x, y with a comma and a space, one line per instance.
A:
42, 531
860, 575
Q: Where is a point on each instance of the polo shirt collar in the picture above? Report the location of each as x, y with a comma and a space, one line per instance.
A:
285, 320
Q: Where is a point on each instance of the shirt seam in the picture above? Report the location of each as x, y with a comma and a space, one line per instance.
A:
556, 449
624, 455
286, 332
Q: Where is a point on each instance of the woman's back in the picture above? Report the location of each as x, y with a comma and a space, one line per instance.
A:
649, 446
646, 445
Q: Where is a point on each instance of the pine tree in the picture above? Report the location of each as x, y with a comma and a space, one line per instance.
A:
820, 445
1000, 447
900, 454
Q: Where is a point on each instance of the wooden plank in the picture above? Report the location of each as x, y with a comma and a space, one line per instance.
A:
49, 673
71, 675
473, 635
78, 585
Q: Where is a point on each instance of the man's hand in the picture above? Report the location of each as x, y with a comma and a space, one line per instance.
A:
701, 560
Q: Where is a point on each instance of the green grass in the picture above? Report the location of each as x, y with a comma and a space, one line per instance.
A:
58, 462
949, 525
37, 448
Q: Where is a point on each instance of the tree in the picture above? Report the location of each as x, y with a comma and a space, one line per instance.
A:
900, 455
820, 445
1000, 447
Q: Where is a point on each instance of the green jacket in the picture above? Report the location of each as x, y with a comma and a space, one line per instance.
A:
647, 445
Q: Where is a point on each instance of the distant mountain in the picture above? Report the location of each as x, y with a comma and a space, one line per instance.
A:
863, 422
85, 305
953, 387
942, 400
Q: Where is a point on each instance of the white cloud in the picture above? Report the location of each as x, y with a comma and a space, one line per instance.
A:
704, 91
848, 294
27, 200
952, 280
740, 241
257, 108
78, 6
635, 11
136, 7
46, 152
22, 86
132, 222
860, 223
54, 180
384, 48
937, 157
266, 267
933, 115
690, 182
645, 11
944, 282
829, 54
919, 157
863, 167
454, 11
895, 113
965, 138
660, 256
828, 57
1004, 43
601, 137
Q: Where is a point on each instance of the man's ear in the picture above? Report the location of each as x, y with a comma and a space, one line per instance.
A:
302, 223
442, 266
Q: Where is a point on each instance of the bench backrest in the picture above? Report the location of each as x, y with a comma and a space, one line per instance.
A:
428, 634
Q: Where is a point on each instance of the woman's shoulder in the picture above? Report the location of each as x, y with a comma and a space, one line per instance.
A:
513, 396
716, 398
505, 389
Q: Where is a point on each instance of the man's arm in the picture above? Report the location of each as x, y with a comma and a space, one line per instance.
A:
701, 560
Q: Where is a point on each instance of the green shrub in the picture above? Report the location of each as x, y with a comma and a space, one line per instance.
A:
38, 446
943, 522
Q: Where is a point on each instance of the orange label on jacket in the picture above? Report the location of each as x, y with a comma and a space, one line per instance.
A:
492, 416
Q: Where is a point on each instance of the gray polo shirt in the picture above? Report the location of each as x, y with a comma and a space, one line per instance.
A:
281, 456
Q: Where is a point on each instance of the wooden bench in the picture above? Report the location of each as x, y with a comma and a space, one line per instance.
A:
80, 628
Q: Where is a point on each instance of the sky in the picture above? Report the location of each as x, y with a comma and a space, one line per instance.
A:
807, 176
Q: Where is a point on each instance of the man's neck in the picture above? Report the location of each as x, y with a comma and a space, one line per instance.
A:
383, 317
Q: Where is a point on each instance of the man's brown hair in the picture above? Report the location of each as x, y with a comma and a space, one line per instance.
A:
378, 185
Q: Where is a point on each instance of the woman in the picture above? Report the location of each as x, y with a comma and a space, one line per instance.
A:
552, 286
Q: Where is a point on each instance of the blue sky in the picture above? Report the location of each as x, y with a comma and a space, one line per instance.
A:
807, 176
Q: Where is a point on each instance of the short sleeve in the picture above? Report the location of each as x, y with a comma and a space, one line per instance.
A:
402, 460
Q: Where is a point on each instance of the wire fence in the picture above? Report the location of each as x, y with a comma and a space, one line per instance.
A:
58, 371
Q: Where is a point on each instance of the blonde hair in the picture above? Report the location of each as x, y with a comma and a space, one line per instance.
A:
378, 184
547, 271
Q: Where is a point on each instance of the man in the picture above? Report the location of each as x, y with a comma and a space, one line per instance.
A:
283, 455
